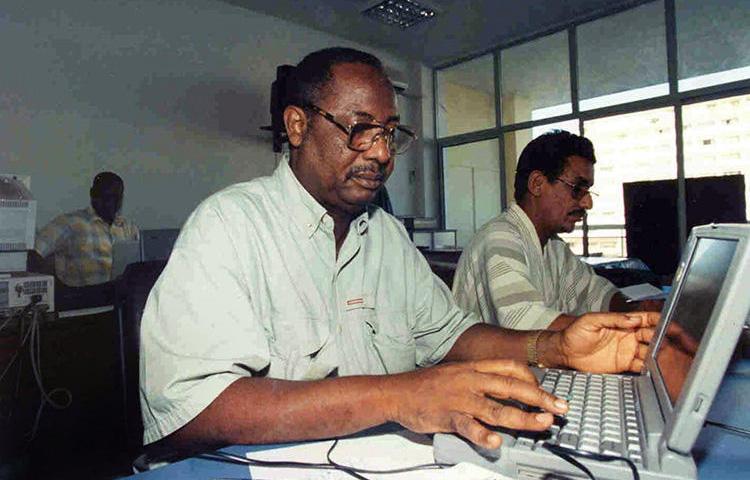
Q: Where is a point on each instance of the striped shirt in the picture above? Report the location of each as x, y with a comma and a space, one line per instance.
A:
82, 244
254, 287
509, 280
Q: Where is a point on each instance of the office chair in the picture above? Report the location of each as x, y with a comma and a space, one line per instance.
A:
131, 292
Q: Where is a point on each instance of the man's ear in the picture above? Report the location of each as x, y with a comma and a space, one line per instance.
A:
295, 121
536, 182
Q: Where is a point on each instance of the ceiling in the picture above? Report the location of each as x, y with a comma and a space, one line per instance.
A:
461, 28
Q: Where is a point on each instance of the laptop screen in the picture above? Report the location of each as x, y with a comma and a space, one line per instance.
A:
700, 289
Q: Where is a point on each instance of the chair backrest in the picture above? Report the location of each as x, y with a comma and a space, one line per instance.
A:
131, 294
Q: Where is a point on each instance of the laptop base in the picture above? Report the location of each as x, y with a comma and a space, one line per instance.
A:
535, 463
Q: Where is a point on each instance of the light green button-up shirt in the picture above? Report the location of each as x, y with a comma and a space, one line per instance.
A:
254, 287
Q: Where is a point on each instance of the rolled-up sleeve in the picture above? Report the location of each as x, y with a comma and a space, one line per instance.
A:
439, 320
197, 333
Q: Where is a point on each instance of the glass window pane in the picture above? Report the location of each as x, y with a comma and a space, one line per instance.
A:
466, 97
536, 79
629, 148
472, 187
623, 57
717, 140
713, 42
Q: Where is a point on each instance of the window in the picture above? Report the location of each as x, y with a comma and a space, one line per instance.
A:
536, 79
466, 97
713, 42
623, 57
472, 187
620, 94
629, 148
726, 122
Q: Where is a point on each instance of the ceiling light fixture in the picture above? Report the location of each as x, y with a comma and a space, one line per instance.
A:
401, 13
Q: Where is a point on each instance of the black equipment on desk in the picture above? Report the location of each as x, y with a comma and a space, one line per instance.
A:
651, 214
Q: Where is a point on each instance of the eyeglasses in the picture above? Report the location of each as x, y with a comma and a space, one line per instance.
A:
362, 136
577, 191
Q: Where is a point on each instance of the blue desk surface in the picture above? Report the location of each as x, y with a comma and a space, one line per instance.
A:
719, 454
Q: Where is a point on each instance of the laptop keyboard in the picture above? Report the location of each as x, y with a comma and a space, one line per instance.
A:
603, 414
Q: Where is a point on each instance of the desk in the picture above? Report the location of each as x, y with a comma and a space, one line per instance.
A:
720, 455
83, 312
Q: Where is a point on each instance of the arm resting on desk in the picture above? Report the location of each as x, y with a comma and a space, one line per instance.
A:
445, 398
451, 397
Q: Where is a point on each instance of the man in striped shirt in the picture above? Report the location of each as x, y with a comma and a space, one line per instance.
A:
81, 241
516, 272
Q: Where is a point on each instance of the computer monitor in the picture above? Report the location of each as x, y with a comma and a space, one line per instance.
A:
158, 243
124, 253
651, 214
17, 214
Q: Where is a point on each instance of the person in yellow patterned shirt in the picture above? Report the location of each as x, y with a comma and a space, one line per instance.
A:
81, 241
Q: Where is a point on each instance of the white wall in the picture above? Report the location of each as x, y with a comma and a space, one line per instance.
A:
169, 94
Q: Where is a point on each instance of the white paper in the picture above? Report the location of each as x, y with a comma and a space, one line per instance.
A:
376, 452
642, 291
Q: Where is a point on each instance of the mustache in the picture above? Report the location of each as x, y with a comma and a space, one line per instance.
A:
379, 170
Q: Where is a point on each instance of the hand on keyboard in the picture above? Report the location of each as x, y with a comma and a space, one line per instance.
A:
458, 397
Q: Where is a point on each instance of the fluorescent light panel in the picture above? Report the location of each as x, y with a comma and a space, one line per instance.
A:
401, 13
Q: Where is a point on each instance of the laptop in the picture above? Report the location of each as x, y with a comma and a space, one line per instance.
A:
651, 419
124, 252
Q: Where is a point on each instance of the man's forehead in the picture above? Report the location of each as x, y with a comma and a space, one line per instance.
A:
579, 168
361, 90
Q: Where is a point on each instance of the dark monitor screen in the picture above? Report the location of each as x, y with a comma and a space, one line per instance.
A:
651, 229
702, 282
158, 243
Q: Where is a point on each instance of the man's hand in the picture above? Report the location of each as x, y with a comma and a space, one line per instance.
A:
460, 397
604, 342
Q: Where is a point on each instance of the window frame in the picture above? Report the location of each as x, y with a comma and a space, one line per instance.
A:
674, 99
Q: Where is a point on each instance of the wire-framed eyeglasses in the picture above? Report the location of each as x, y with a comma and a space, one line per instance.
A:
577, 190
362, 135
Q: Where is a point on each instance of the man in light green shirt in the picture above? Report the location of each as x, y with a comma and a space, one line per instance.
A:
291, 309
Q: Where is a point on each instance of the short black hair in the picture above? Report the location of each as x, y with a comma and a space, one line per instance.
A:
548, 153
104, 179
313, 72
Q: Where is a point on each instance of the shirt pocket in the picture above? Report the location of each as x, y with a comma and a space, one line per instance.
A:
392, 339
295, 339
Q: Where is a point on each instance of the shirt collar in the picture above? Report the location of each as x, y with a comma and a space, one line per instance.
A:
306, 212
526, 224
118, 221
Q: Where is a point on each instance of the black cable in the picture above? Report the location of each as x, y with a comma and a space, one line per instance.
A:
569, 458
342, 467
740, 432
559, 451
331, 465
424, 466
